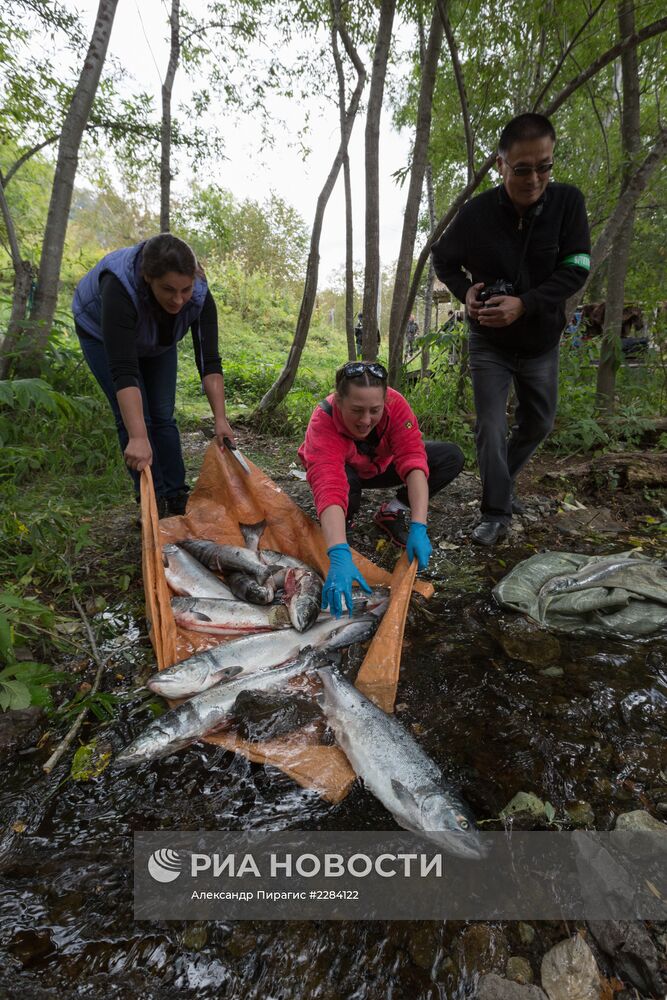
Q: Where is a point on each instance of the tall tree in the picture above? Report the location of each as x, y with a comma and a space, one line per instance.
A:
347, 184
165, 136
63, 184
415, 186
610, 354
372, 166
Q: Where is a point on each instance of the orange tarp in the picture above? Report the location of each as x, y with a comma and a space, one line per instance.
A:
224, 497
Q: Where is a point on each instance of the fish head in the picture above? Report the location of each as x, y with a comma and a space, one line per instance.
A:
138, 752
439, 814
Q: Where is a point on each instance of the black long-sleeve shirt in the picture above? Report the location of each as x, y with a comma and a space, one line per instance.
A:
119, 321
486, 239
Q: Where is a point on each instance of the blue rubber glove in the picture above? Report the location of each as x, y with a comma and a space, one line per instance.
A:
418, 545
338, 584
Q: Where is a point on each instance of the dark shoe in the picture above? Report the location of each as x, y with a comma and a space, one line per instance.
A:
176, 504
518, 507
394, 523
489, 532
162, 507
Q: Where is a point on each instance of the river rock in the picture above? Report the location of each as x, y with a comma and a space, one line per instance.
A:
569, 971
639, 821
633, 953
20, 728
423, 944
519, 970
526, 933
492, 987
523, 640
484, 949
581, 813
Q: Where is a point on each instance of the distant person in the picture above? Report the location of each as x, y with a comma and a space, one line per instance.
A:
411, 331
359, 333
365, 436
130, 312
515, 255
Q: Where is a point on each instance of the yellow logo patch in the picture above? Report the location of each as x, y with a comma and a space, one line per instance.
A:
409, 424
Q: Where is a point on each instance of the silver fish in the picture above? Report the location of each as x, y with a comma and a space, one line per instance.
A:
639, 576
396, 770
227, 617
225, 558
303, 597
258, 653
204, 713
186, 575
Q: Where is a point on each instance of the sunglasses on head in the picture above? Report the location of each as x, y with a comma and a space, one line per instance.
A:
353, 369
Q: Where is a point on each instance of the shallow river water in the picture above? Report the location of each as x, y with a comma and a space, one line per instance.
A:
499, 710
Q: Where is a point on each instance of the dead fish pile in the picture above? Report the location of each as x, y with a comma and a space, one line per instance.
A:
251, 575
216, 677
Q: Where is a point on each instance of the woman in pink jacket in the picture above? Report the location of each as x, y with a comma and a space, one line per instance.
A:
365, 436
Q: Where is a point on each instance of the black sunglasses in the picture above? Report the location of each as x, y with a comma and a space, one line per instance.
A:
353, 369
524, 171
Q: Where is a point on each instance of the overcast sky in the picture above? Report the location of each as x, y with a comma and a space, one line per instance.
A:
246, 172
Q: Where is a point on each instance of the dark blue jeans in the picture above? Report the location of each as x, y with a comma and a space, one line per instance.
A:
157, 381
536, 386
445, 461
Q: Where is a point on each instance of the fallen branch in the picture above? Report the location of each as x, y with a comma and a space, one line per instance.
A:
68, 739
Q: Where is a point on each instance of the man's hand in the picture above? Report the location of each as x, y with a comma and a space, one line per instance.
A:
338, 584
500, 310
138, 453
473, 305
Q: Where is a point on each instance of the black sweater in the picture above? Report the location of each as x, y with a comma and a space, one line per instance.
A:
119, 320
486, 239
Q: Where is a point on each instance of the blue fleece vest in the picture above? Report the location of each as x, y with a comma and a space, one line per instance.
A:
125, 264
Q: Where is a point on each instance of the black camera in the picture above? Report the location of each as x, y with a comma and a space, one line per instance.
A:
499, 287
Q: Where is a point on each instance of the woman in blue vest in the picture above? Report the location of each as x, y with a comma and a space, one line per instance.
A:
130, 312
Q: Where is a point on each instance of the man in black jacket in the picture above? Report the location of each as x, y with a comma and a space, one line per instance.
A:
514, 255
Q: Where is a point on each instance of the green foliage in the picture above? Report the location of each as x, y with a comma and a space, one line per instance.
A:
23, 682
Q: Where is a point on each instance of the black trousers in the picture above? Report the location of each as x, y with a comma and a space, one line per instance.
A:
501, 459
445, 461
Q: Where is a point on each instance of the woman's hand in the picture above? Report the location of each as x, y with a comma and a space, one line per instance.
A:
418, 545
222, 431
138, 453
338, 584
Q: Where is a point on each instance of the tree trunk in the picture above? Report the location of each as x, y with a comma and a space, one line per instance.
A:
610, 353
428, 295
415, 187
372, 163
24, 275
17, 327
285, 380
63, 184
347, 181
165, 138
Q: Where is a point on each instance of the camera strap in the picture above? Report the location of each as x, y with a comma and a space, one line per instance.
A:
534, 214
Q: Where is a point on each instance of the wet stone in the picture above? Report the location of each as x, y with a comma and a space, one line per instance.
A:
569, 971
484, 949
526, 933
552, 672
492, 987
519, 970
633, 953
640, 821
20, 729
522, 640
423, 944
581, 813
241, 943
